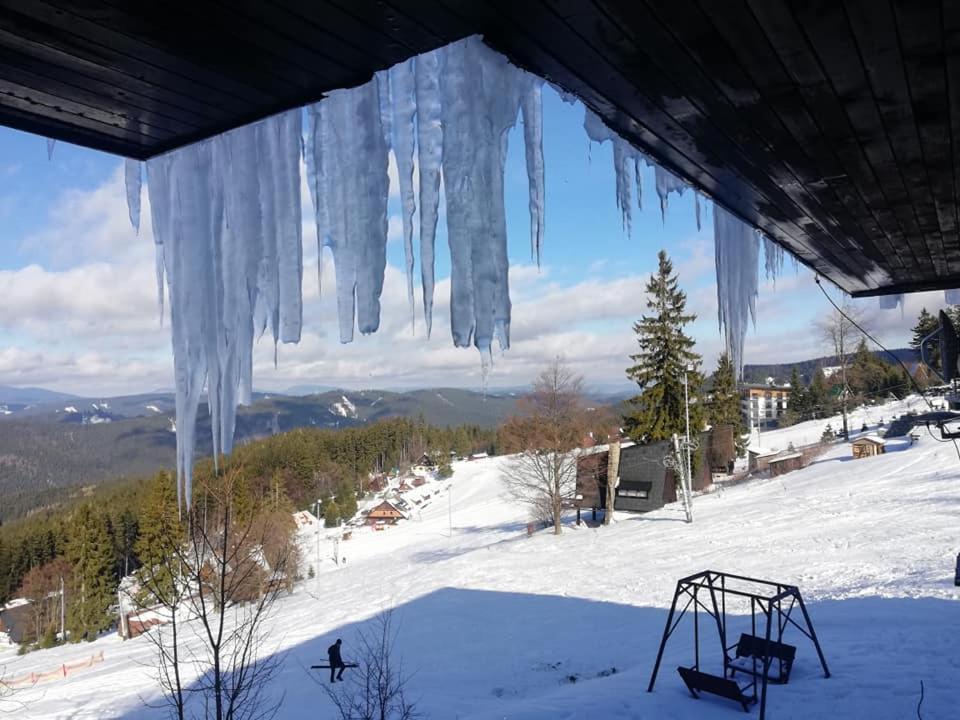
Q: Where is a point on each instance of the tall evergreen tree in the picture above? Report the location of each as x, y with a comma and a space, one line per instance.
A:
666, 353
926, 324
90, 551
724, 408
160, 530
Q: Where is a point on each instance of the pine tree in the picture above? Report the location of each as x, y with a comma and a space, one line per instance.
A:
347, 499
666, 353
724, 409
331, 513
926, 324
798, 404
90, 551
160, 530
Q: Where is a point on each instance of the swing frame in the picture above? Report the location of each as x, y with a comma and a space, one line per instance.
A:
775, 600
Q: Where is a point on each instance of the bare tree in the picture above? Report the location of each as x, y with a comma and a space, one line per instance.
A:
215, 589
551, 425
376, 689
840, 334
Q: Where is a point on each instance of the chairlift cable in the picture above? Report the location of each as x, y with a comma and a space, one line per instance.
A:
880, 345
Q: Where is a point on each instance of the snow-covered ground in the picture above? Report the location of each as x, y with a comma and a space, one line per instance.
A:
496, 624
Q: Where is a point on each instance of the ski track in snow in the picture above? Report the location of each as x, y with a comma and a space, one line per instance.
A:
493, 622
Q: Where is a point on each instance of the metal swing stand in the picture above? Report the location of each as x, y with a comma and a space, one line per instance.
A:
776, 601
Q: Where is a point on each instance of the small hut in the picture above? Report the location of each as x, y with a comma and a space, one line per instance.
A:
759, 458
868, 446
784, 464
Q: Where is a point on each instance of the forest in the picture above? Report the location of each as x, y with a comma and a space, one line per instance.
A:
94, 540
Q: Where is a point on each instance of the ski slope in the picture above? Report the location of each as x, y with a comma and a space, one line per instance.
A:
496, 624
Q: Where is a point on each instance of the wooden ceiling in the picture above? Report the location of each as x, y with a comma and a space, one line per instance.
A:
833, 126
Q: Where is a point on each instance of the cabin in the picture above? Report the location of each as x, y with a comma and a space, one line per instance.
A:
644, 483
868, 446
377, 483
783, 464
758, 459
386, 513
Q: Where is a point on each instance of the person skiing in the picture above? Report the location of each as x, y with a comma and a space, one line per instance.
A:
336, 662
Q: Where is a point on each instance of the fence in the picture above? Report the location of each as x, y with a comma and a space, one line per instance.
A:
61, 672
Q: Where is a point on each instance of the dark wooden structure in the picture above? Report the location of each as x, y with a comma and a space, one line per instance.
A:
645, 483
17, 621
832, 126
762, 658
783, 464
721, 447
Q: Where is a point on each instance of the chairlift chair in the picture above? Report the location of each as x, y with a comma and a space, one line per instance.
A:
761, 659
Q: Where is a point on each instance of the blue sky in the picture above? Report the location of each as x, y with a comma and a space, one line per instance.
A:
79, 309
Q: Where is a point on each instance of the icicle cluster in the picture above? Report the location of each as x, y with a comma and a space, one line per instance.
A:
453, 107
227, 223
890, 302
737, 250
952, 297
226, 218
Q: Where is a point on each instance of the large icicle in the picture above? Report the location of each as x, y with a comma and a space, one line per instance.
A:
737, 266
480, 99
403, 93
952, 297
890, 302
51, 144
531, 105
132, 180
226, 219
429, 157
351, 167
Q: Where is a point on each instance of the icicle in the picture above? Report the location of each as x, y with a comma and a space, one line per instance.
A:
622, 156
480, 99
351, 167
890, 302
531, 105
737, 251
226, 218
316, 182
667, 183
403, 89
132, 178
952, 297
385, 104
51, 144
430, 157
696, 204
773, 255
638, 180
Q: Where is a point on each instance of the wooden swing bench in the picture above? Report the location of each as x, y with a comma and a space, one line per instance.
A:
751, 646
697, 682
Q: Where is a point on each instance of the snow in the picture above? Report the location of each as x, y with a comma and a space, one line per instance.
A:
344, 408
70, 409
154, 408
493, 623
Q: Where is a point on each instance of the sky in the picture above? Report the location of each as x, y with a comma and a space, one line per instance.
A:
79, 310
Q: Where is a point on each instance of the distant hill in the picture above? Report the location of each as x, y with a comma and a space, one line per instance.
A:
20, 397
781, 372
51, 449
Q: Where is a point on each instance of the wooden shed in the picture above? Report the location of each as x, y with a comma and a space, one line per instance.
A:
386, 513
785, 463
868, 446
759, 458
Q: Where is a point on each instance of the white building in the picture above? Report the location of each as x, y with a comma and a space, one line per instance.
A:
763, 405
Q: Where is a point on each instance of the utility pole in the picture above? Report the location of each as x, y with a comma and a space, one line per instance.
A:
686, 407
63, 614
450, 507
317, 570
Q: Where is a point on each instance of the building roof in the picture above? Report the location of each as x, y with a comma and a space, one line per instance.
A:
870, 438
832, 127
791, 456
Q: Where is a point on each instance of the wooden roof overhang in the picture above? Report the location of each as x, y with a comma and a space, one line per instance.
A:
833, 125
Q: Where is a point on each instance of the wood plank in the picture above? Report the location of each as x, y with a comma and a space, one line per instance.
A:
806, 82
704, 69
869, 79
920, 30
951, 47
83, 92
26, 121
65, 49
184, 55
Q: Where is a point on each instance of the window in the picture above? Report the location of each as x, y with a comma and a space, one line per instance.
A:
642, 494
